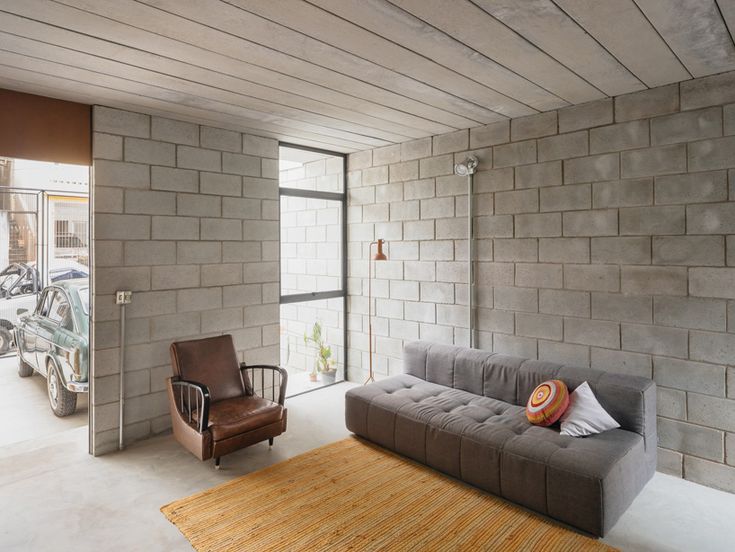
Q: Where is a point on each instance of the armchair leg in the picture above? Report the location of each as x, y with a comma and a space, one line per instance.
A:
270, 442
216, 463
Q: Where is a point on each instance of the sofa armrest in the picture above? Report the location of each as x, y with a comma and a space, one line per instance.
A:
276, 373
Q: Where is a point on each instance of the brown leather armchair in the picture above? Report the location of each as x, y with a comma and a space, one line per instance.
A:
214, 409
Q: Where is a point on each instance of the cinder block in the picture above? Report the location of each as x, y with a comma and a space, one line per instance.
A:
175, 228
199, 299
406, 210
185, 276
107, 146
592, 332
117, 174
204, 252
151, 152
151, 303
175, 180
452, 185
359, 160
195, 158
691, 439
523, 347
592, 277
218, 229
242, 295
394, 192
494, 274
538, 175
458, 140
109, 280
436, 292
622, 308
543, 326
621, 362
714, 218
622, 193
375, 213
564, 250
618, 137
420, 312
498, 226
635, 250
430, 208
591, 223
687, 126
670, 462
108, 200
490, 135
386, 155
515, 299
220, 139
730, 448
587, 115
175, 326
237, 163
702, 92
495, 320
522, 201
564, 303
436, 250
125, 123
404, 329
533, 126
538, 225
143, 202
420, 270
637, 221
122, 227
197, 205
538, 275
717, 153
711, 411
647, 103
708, 187
710, 474
262, 272
261, 147
718, 348
404, 290
454, 228
712, 282
436, 166
400, 172
594, 168
415, 149
655, 340
671, 403
654, 280
566, 198
728, 113
221, 274
451, 271
564, 353
689, 376
689, 250
374, 176
493, 181
178, 132
220, 184
150, 253
108, 253
523, 250
418, 230
564, 146
518, 153
654, 161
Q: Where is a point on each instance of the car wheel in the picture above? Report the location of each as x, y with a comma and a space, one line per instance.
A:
63, 402
6, 340
25, 370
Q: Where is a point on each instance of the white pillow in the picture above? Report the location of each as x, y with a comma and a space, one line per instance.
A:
585, 416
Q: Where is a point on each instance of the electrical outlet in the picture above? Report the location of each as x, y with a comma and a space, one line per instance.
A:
123, 297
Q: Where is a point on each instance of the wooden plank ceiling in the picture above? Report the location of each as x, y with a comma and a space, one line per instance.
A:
348, 75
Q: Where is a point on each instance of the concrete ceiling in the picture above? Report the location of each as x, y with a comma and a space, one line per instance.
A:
349, 75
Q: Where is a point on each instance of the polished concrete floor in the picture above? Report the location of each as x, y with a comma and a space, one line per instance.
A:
57, 497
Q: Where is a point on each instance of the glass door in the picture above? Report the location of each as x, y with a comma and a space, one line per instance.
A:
313, 269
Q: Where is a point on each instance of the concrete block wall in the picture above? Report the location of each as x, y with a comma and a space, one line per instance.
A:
605, 237
185, 216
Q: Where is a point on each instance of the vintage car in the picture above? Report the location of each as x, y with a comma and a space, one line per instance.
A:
20, 285
53, 340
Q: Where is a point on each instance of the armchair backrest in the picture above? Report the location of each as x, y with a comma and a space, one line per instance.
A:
211, 361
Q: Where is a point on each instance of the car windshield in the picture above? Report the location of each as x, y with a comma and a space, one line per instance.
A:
84, 299
8, 280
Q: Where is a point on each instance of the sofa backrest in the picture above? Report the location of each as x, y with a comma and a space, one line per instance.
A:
631, 400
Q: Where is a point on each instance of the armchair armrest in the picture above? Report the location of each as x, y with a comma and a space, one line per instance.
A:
201, 401
276, 371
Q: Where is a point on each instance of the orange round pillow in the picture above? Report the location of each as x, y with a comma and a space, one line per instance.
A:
547, 403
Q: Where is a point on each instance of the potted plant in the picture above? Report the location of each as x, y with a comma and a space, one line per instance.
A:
323, 363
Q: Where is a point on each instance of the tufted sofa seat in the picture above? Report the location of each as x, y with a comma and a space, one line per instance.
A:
462, 411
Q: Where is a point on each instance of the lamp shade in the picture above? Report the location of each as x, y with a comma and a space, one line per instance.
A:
379, 255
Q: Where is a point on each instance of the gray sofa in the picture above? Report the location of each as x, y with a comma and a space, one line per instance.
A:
462, 412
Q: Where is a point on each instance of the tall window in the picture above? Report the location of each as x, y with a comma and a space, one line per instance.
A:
313, 279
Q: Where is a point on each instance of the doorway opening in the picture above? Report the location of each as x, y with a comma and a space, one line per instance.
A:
44, 298
313, 267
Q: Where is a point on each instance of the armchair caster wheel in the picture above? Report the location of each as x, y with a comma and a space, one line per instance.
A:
216, 463
270, 442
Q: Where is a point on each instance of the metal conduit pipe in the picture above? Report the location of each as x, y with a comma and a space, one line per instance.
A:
467, 168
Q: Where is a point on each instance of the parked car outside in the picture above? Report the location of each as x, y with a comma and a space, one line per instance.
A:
20, 285
53, 340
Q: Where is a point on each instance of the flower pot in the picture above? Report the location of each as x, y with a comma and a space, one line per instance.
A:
329, 377
312, 376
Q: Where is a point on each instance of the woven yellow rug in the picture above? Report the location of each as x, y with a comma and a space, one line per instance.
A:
352, 495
